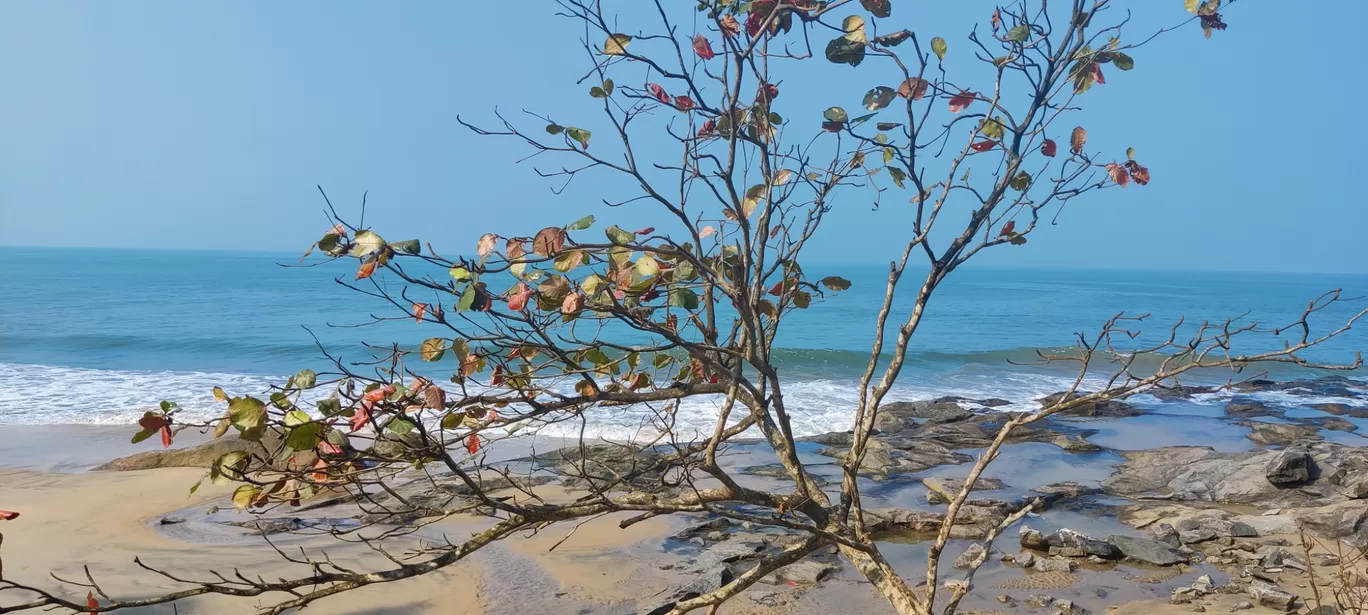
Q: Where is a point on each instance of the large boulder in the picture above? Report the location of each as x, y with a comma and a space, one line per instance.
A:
942, 489
945, 410
1346, 521
1102, 409
975, 519
201, 456
1069, 543
1350, 477
1290, 468
1147, 551
1200, 474
1244, 408
1358, 412
1271, 595
1277, 434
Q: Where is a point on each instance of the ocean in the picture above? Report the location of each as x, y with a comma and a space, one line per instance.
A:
90, 336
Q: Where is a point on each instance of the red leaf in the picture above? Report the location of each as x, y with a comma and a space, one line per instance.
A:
517, 300
754, 20
683, 103
703, 48
1048, 148
777, 289
362, 416
91, 602
961, 101
473, 444
166, 436
997, 19
913, 88
418, 310
983, 146
1097, 74
366, 270
1138, 173
498, 377
327, 448
1118, 174
379, 393
767, 93
8, 515
708, 126
151, 423
1008, 229
658, 92
646, 231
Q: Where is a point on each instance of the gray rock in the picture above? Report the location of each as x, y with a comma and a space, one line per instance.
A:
1039, 601
1290, 467
1271, 595
1350, 477
941, 489
931, 412
1228, 527
1147, 551
1242, 606
1073, 544
1347, 522
1275, 434
1067, 490
888, 423
1044, 564
1166, 534
1033, 539
1243, 407
1204, 584
1063, 606
1204, 475
201, 456
1192, 537
703, 527
806, 572
966, 560
768, 597
1343, 410
1025, 559
1107, 409
708, 581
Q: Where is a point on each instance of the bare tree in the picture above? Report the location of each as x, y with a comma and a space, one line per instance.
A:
554, 328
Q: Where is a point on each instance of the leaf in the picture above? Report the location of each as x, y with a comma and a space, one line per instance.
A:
1118, 174
581, 224
472, 444
554, 129
579, 134
1122, 61
432, 349
893, 39
1078, 139
938, 47
703, 48
548, 241
220, 395
897, 175
616, 44
608, 87
91, 602
1140, 174
567, 261
1190, 5
8, 515
842, 50
854, 29
166, 436
151, 422
1130, 153
1020, 182
1048, 148
1017, 240
684, 103
485, 246
659, 93
982, 146
879, 8
434, 397
517, 298
992, 128
366, 242
835, 114
961, 101
597, 92
836, 283
1019, 34
682, 297
305, 436
647, 266
878, 98
996, 20
1008, 229
729, 25
782, 177
407, 246
367, 270
573, 304
754, 195
706, 231
1097, 74
913, 88
467, 299
246, 412
244, 495
305, 379
619, 236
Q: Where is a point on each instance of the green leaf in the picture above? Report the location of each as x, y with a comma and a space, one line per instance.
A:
993, 129
608, 87
681, 297
1130, 153
1122, 61
597, 92
754, 195
888, 155
647, 266
844, 51
1019, 34
1021, 182
244, 495
433, 348
619, 236
579, 134
246, 412
581, 224
296, 417
401, 426
453, 420
897, 175
836, 283
567, 260
616, 44
329, 407
878, 98
554, 129
366, 243
304, 437
408, 246
280, 400
938, 47
306, 379
801, 299
467, 299
459, 273
1190, 5
142, 435
835, 114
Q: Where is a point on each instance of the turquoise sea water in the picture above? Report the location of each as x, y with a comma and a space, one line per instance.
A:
95, 336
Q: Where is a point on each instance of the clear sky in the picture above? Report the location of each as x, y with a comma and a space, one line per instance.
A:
207, 124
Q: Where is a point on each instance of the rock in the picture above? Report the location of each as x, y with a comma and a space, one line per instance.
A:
1350, 477
1228, 527
171, 520
1074, 443
883, 457
1182, 595
1147, 551
1343, 410
1290, 467
1325, 559
720, 523
1025, 559
1347, 522
888, 423
708, 581
1204, 584
941, 489
1331, 423
723, 553
1324, 609
1241, 606
1033, 539
1004, 598
1243, 407
1271, 595
1192, 537
1043, 564
604, 462
1039, 601
1067, 490
1073, 544
1274, 434
768, 597
1199, 609
966, 560
1104, 409
975, 519
806, 572
201, 456
1063, 606
1166, 534
931, 412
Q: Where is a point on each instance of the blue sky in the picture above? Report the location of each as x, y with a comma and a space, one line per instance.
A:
207, 125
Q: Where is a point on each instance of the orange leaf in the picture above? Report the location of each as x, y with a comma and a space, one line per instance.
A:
913, 88
683, 103
548, 241
1118, 174
92, 603
961, 101
982, 146
1138, 173
418, 310
362, 416
1048, 148
730, 27
498, 377
517, 300
706, 231
658, 92
997, 19
366, 270
1078, 139
703, 48
485, 247
473, 443
8, 515
166, 436
1008, 229
573, 304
